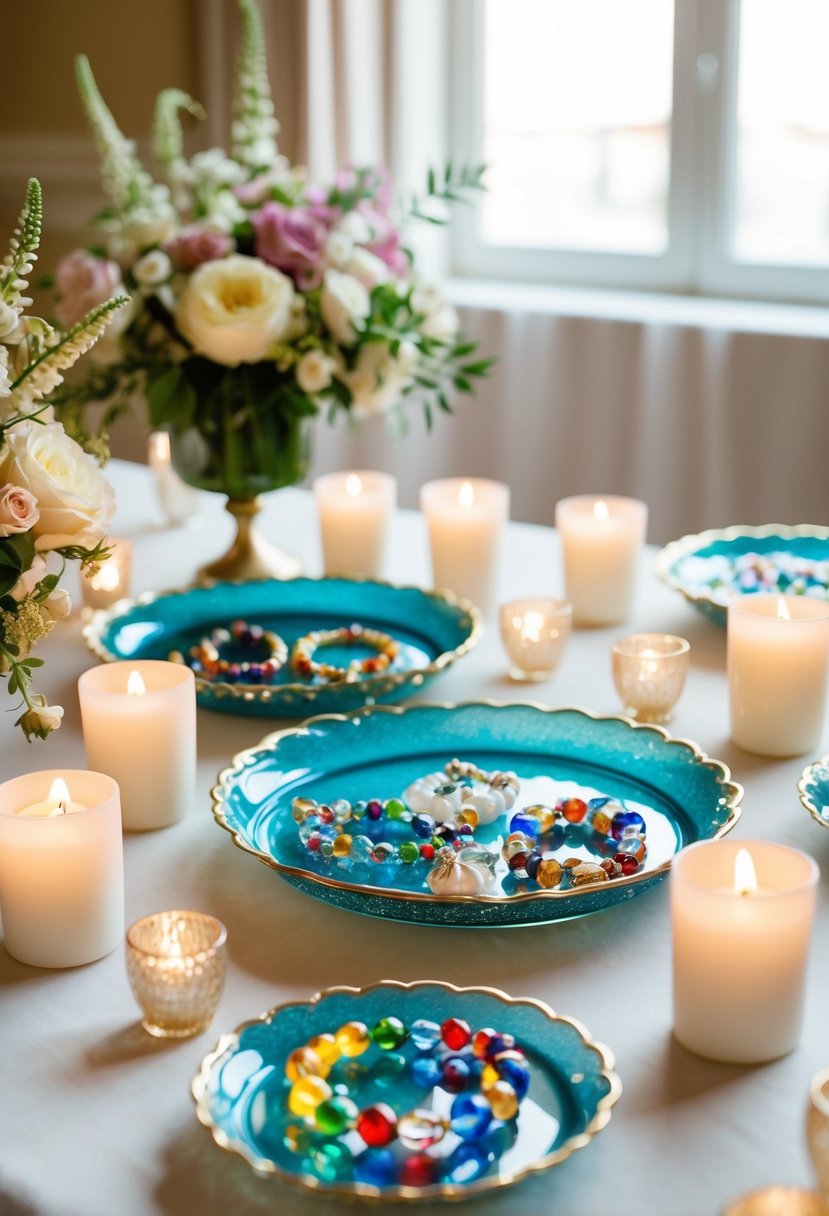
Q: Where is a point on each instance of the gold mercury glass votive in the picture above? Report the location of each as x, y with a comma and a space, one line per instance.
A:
534, 633
649, 671
176, 965
111, 581
777, 1201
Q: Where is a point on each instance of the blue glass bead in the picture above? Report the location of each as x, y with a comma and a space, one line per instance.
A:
466, 1163
446, 833
423, 826
627, 819
528, 824
532, 863
595, 803
358, 810
376, 1166
515, 1072
328, 832
425, 1034
470, 1116
499, 1138
308, 827
426, 1071
499, 1043
456, 1074
332, 1161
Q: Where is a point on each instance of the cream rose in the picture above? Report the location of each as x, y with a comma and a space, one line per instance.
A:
368, 268
74, 499
442, 325
18, 510
377, 381
233, 310
344, 303
313, 372
153, 268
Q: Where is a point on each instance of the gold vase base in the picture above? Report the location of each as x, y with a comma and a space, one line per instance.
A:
250, 556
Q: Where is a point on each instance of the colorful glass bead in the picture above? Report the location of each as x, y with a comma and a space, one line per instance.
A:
331, 1161
306, 1094
482, 1041
308, 829
512, 1066
376, 1166
503, 1100
600, 821
499, 1139
425, 1034
419, 1170
352, 1039
427, 852
528, 824
409, 852
574, 810
499, 1043
470, 1115
335, 1115
341, 847
325, 1045
629, 865
627, 819
632, 846
305, 1063
382, 852
469, 816
426, 1071
455, 1033
587, 872
395, 809
362, 848
545, 816
532, 863
326, 815
423, 826
326, 848
517, 842
517, 863
613, 869
468, 1162
548, 873
374, 809
420, 1129
456, 1074
389, 1034
377, 1125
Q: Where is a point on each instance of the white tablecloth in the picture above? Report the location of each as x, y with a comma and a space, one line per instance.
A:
96, 1118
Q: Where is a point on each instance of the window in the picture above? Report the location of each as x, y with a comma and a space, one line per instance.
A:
673, 144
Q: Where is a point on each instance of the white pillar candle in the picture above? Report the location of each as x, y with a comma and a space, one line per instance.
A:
601, 539
466, 518
178, 501
778, 657
61, 868
139, 725
740, 952
354, 512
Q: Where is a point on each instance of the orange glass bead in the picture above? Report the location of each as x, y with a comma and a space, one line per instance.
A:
305, 1063
342, 845
468, 814
549, 873
503, 1100
306, 1095
353, 1039
574, 810
325, 1045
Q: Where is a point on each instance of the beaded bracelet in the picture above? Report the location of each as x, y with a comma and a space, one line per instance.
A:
488, 794
486, 1071
302, 661
207, 660
526, 856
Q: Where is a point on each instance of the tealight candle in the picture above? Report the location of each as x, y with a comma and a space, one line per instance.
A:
176, 965
354, 511
178, 501
534, 633
649, 671
601, 539
466, 518
778, 658
111, 581
742, 916
61, 867
139, 725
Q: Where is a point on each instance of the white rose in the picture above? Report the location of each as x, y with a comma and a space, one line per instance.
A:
154, 268
356, 226
234, 309
426, 299
441, 325
368, 268
376, 382
57, 607
344, 302
75, 500
338, 248
141, 229
29, 579
313, 372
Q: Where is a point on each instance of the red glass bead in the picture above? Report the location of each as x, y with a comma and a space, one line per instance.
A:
455, 1033
427, 852
574, 810
326, 815
629, 864
482, 1041
518, 862
314, 841
377, 1125
418, 1170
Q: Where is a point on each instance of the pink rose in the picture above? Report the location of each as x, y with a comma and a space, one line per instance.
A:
197, 244
316, 205
385, 240
292, 240
83, 282
18, 510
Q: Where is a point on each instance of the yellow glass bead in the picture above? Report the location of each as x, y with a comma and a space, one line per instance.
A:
325, 1045
305, 1063
545, 815
489, 1077
503, 1100
600, 823
468, 814
353, 1039
548, 873
342, 845
306, 1095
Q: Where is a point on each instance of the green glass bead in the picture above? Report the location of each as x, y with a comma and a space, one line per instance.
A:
395, 809
389, 1034
409, 852
336, 1115
437, 842
331, 1161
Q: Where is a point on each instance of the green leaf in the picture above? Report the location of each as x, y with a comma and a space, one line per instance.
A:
171, 397
17, 552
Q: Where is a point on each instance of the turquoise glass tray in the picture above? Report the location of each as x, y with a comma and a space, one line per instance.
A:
376, 753
813, 788
434, 629
711, 568
240, 1091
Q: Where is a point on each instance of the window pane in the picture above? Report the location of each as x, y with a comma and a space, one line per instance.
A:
577, 112
782, 149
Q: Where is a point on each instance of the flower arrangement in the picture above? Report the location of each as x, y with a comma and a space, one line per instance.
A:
53, 498
259, 297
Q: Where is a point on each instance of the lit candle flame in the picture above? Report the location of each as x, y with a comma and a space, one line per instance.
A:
783, 613
170, 940
135, 685
353, 485
601, 510
531, 627
107, 578
59, 796
466, 495
745, 876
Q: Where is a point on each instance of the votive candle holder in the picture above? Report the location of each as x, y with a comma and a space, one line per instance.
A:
178, 501
176, 965
649, 671
817, 1128
534, 633
111, 580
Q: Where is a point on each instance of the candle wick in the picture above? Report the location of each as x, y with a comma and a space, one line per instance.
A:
62, 807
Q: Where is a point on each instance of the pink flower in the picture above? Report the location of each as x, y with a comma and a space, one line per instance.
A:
385, 240
292, 240
83, 282
197, 244
18, 510
316, 204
